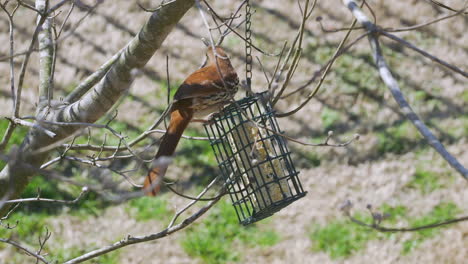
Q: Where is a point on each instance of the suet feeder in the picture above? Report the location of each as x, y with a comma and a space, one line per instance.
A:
254, 159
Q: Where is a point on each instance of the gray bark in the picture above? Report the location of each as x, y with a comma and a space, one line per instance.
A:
91, 106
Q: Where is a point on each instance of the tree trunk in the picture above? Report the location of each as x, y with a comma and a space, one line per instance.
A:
93, 105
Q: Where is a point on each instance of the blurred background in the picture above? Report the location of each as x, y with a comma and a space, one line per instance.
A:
391, 167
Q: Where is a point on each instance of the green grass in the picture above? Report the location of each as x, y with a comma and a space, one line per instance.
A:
397, 139
393, 213
16, 138
306, 159
62, 254
220, 238
29, 225
425, 181
162, 89
441, 212
149, 208
57, 254
198, 156
340, 238
196, 152
459, 129
31, 220
329, 117
464, 96
90, 205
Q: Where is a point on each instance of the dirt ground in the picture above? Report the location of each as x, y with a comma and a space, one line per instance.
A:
361, 172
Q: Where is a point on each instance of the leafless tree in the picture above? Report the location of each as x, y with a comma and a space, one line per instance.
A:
56, 124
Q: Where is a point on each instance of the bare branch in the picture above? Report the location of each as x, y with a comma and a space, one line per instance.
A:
7, 226
437, 3
322, 79
129, 240
43, 241
96, 103
24, 64
424, 53
425, 24
82, 194
199, 196
378, 217
380, 228
23, 248
297, 52
334, 30
324, 67
11, 125
28, 6
72, 6
91, 80
235, 32
22, 122
325, 143
392, 84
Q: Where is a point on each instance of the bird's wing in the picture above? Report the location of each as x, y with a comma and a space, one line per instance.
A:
203, 82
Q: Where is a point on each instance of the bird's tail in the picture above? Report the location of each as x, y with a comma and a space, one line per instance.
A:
180, 118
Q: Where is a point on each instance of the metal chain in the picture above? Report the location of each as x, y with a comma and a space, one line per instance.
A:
248, 48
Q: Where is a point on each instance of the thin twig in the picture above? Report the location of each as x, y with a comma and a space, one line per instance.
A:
392, 84
35, 125
378, 217
24, 65
318, 72
424, 24
72, 6
237, 33
23, 248
297, 53
10, 211
191, 203
443, 6
42, 242
424, 53
325, 143
82, 194
322, 79
11, 125
380, 228
129, 240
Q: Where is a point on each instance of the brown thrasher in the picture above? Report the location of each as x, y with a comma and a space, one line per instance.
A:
204, 92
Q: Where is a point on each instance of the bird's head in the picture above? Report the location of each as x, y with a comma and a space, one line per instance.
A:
217, 52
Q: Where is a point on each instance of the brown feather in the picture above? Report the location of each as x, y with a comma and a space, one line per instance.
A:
180, 118
205, 90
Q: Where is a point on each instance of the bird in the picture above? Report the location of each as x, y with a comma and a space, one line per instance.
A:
203, 93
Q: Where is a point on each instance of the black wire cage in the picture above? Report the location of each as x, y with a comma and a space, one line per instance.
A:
254, 159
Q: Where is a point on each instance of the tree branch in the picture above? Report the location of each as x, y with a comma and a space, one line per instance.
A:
11, 125
26, 250
424, 53
95, 103
45, 56
84, 191
129, 240
392, 84
324, 74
